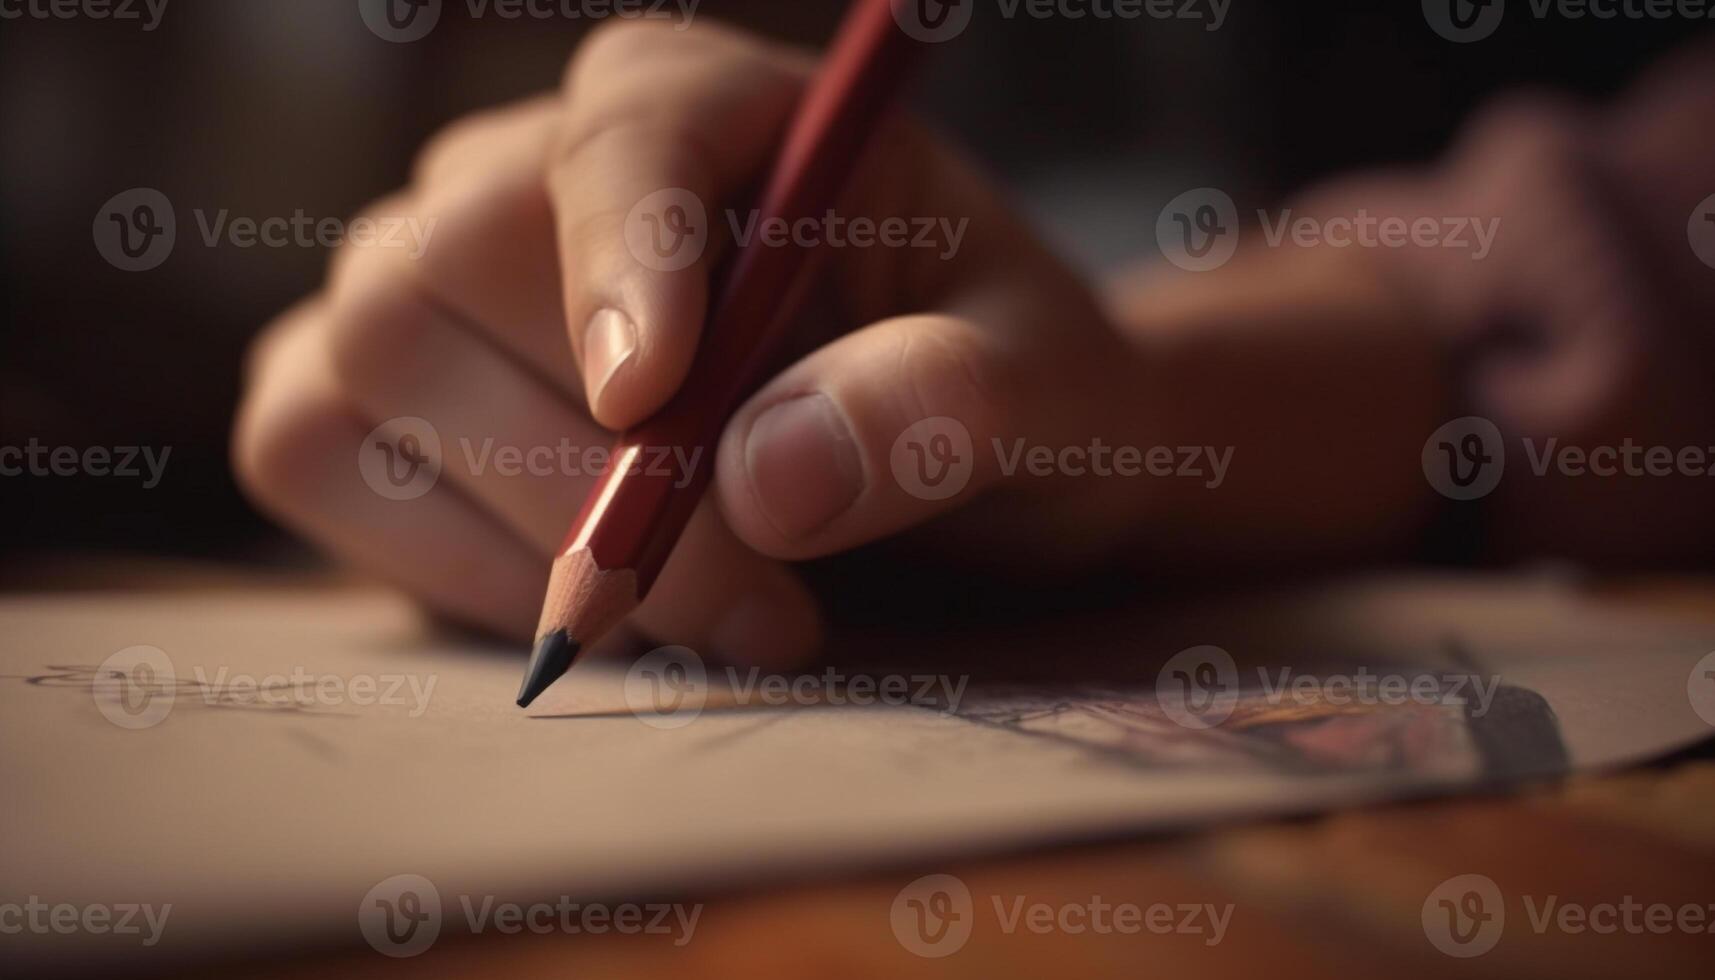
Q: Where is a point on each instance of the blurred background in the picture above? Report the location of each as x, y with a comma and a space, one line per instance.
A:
269, 108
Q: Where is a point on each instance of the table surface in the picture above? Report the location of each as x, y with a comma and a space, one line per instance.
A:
1336, 895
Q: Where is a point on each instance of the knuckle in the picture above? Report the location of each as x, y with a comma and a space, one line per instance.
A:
483, 137
960, 374
1522, 137
279, 449
376, 317
287, 420
617, 43
449, 143
264, 350
359, 248
596, 241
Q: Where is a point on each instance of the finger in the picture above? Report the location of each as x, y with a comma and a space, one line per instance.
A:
482, 139
874, 433
295, 450
525, 453
474, 236
510, 440
718, 596
659, 125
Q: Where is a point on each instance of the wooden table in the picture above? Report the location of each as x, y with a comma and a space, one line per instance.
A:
1336, 896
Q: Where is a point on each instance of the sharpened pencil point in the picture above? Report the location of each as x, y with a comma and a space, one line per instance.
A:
552, 658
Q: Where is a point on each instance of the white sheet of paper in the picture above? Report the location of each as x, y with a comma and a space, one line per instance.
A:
264, 820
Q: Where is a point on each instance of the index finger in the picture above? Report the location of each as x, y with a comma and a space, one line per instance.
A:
660, 125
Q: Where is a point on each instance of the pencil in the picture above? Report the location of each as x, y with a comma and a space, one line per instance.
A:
637, 511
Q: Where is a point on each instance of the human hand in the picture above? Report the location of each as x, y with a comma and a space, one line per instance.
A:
531, 321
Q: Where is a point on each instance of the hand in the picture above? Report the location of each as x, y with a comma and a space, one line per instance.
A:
529, 322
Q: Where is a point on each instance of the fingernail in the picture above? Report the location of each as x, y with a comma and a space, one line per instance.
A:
609, 342
803, 464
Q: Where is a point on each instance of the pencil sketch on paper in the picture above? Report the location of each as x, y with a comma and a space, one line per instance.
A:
1443, 735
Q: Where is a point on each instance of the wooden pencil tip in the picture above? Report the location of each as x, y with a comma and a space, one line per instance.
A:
552, 658
582, 604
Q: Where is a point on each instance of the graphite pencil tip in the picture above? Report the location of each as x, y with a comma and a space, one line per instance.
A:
552, 658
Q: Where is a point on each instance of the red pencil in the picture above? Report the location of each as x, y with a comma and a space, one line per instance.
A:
635, 514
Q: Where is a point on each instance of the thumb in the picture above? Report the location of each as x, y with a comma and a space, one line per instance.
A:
876, 432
